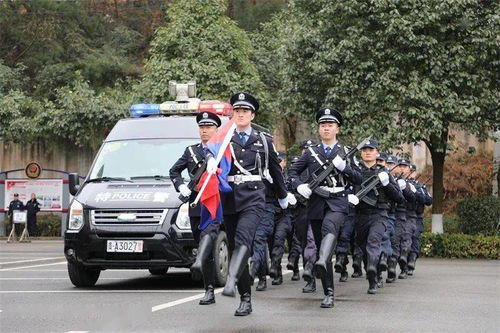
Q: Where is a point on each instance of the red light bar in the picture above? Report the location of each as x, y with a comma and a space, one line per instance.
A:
218, 107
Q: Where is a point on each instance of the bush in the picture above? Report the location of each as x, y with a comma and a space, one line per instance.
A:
479, 215
460, 246
48, 224
450, 225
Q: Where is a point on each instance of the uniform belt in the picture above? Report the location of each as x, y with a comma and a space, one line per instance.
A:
238, 179
337, 189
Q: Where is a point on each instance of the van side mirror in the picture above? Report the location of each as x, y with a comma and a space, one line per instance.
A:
74, 183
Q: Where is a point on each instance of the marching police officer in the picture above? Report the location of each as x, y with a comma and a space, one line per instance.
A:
371, 215
193, 159
326, 214
244, 206
391, 164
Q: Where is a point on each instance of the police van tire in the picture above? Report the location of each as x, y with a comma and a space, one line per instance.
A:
221, 257
81, 276
158, 271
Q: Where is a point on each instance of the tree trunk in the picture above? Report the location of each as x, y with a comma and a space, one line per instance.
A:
437, 147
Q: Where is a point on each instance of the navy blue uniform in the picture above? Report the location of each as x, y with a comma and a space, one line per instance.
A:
15, 205
32, 207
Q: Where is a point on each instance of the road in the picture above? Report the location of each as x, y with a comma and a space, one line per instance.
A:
443, 296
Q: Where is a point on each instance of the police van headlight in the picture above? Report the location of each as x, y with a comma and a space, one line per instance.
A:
75, 221
182, 221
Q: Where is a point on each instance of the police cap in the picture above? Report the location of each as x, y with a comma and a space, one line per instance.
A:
328, 115
392, 159
371, 143
404, 161
207, 118
243, 100
382, 156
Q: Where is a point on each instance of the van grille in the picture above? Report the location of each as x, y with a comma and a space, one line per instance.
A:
128, 216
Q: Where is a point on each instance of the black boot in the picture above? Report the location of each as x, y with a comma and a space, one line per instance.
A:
325, 255
328, 300
404, 273
391, 270
382, 264
262, 284
343, 276
412, 260
245, 307
208, 281
340, 262
252, 270
278, 279
356, 265
296, 275
204, 250
310, 287
292, 264
307, 274
371, 273
380, 280
209, 297
403, 258
239, 261
275, 267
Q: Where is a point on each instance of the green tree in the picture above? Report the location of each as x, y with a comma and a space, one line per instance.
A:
200, 43
405, 71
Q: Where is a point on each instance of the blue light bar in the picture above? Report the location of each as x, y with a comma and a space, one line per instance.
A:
142, 110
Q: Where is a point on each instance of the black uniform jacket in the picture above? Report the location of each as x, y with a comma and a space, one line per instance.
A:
188, 162
316, 204
253, 193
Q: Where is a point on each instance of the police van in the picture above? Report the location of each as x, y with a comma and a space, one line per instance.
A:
127, 214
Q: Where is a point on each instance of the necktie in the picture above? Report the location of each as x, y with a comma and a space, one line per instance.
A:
243, 137
205, 150
328, 151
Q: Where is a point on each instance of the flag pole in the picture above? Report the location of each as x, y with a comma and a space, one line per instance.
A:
222, 149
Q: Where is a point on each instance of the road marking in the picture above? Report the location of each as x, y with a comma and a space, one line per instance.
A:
22, 267
77, 331
29, 261
195, 297
98, 291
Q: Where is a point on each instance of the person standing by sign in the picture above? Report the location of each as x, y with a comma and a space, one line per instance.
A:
33, 207
15, 204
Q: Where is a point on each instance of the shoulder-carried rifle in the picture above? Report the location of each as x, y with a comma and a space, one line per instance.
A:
195, 179
369, 185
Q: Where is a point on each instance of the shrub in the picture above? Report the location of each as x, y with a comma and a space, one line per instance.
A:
460, 246
48, 224
450, 225
479, 215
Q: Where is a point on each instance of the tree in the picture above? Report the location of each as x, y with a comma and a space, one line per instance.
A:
200, 43
405, 71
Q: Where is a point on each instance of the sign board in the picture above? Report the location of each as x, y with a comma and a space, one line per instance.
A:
49, 192
19, 216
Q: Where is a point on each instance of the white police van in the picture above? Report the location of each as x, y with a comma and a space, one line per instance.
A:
127, 214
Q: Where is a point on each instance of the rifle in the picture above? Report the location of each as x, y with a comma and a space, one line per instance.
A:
368, 185
202, 166
330, 170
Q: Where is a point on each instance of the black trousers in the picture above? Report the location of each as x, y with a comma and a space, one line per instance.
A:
370, 228
282, 227
212, 229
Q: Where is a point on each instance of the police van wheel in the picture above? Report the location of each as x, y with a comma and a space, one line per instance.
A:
221, 256
81, 276
158, 271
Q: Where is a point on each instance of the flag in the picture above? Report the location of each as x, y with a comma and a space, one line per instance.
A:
211, 205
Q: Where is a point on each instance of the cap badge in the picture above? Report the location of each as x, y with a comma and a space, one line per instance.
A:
327, 111
241, 97
205, 115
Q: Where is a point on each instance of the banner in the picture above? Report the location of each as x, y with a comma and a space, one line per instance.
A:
48, 192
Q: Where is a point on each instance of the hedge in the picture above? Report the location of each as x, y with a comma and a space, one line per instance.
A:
479, 215
48, 224
460, 246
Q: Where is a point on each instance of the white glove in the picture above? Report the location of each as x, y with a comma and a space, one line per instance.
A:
339, 163
353, 199
402, 184
412, 188
384, 178
292, 200
283, 203
304, 190
211, 166
185, 191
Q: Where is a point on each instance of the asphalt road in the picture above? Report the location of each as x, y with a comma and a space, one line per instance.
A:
442, 296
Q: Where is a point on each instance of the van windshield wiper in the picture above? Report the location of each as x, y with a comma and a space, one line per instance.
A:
105, 179
151, 177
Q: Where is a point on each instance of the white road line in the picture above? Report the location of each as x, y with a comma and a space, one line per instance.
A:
193, 298
22, 267
57, 278
77, 331
29, 261
104, 291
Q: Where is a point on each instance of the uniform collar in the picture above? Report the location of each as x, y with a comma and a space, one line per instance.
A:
332, 146
248, 131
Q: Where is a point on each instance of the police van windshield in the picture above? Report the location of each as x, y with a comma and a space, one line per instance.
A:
135, 159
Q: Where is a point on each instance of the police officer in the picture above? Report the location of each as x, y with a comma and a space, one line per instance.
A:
192, 159
32, 207
391, 164
15, 204
244, 206
401, 241
326, 214
419, 210
371, 216
386, 239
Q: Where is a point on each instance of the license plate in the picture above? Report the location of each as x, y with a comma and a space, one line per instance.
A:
134, 246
